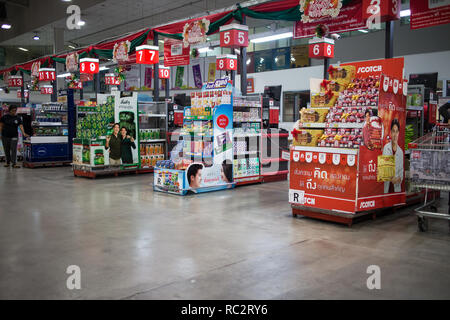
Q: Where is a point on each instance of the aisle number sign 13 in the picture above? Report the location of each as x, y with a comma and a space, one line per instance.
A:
147, 54
15, 81
89, 66
47, 74
234, 36
226, 62
164, 72
320, 48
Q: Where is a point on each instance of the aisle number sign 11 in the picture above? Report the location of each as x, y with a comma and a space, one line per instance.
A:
320, 48
164, 72
47, 74
226, 62
147, 54
234, 36
15, 81
89, 66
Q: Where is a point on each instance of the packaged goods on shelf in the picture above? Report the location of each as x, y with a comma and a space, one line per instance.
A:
313, 115
341, 138
342, 74
360, 92
246, 167
309, 137
324, 99
386, 168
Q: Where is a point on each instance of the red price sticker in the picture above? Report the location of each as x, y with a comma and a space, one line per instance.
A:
222, 121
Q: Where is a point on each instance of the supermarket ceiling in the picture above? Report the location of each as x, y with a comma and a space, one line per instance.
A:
104, 18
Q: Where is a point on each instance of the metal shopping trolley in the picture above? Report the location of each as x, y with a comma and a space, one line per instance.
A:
430, 170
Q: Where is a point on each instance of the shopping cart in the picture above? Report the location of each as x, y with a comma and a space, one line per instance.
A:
430, 170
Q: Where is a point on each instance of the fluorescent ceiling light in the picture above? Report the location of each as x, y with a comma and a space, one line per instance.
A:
204, 50
23, 49
405, 13
363, 31
66, 0
71, 47
6, 26
63, 75
273, 37
103, 68
36, 37
81, 23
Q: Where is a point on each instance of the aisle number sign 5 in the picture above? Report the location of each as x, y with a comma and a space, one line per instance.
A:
234, 36
147, 54
89, 66
226, 62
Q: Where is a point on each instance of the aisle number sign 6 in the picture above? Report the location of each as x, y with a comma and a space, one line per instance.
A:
234, 36
147, 54
89, 66
320, 50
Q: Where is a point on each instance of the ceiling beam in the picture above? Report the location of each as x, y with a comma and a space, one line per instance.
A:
19, 3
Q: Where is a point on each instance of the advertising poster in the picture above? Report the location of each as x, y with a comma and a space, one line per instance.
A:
179, 77
77, 151
126, 114
132, 80
197, 74
175, 54
350, 17
212, 72
427, 13
148, 75
169, 180
98, 155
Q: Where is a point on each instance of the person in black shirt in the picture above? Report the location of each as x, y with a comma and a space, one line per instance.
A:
127, 144
443, 110
8, 129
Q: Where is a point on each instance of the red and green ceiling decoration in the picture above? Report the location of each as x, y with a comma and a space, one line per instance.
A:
287, 10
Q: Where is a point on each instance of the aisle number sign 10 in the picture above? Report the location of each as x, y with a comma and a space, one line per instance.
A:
226, 62
15, 81
234, 36
321, 48
147, 54
47, 74
89, 66
164, 72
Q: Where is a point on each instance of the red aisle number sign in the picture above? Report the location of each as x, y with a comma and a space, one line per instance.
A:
377, 11
19, 94
321, 48
147, 54
226, 62
234, 36
89, 66
47, 75
111, 79
164, 72
47, 90
15, 81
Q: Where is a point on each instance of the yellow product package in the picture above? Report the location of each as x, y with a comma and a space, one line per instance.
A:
324, 99
342, 74
386, 168
308, 137
313, 115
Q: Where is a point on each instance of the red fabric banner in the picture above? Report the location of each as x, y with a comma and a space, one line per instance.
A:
427, 13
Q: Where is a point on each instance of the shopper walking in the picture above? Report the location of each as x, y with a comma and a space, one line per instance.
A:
9, 125
127, 144
114, 144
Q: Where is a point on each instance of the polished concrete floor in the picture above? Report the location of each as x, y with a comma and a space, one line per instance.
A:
132, 243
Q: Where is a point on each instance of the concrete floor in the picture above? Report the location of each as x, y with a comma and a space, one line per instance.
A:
132, 243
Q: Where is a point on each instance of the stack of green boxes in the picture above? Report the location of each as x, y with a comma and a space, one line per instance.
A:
99, 123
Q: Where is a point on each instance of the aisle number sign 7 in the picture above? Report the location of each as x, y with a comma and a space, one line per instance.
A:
234, 36
89, 66
147, 54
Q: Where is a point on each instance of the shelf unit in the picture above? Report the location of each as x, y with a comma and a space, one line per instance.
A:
247, 139
152, 133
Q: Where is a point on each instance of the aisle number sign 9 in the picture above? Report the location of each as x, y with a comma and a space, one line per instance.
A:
15, 81
321, 48
234, 36
147, 54
164, 72
47, 74
226, 62
89, 66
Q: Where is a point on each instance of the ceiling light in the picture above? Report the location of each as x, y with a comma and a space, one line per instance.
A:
66, 0
363, 31
6, 26
36, 37
204, 50
103, 68
273, 37
23, 49
248, 61
405, 13
71, 47
63, 75
81, 23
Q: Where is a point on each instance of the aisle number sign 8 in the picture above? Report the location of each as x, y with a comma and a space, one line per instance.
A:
164, 72
147, 54
234, 36
226, 62
89, 66
47, 74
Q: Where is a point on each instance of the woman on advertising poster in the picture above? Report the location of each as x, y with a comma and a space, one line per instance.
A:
393, 149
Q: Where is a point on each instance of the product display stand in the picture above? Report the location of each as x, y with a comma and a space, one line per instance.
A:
347, 160
275, 166
49, 144
247, 122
